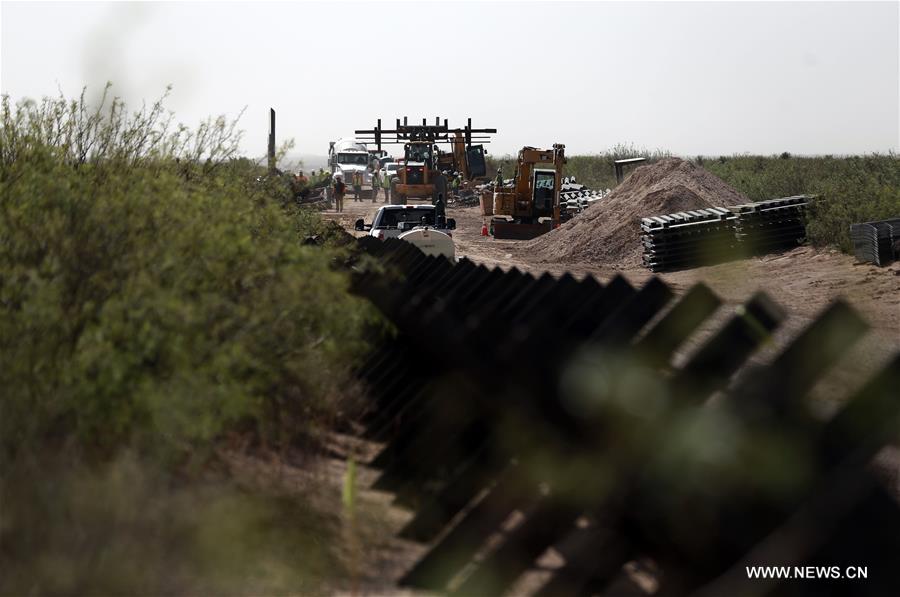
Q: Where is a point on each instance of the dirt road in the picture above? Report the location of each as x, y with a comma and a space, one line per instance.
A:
353, 210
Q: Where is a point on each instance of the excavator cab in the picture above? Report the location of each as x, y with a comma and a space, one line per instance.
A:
543, 186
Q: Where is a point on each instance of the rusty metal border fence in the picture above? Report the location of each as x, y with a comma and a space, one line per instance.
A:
467, 399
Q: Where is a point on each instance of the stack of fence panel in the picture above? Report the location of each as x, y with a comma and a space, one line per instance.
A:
576, 201
575, 198
773, 225
570, 184
688, 239
479, 428
570, 194
876, 242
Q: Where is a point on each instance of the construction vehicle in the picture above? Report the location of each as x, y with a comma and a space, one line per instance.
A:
424, 167
530, 206
348, 158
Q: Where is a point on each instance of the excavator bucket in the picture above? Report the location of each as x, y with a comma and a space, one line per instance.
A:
512, 230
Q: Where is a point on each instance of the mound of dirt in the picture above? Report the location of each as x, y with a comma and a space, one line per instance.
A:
609, 231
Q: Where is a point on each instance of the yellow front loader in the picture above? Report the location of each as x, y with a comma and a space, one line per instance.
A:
421, 172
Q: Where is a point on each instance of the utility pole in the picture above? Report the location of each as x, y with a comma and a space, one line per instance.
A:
272, 140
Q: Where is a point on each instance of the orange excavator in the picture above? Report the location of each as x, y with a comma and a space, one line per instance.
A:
529, 206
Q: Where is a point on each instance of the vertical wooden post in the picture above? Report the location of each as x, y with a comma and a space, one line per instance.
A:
271, 140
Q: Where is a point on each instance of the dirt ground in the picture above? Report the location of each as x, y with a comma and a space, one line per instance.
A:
803, 281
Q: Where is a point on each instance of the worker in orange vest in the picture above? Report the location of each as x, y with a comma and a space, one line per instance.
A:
376, 182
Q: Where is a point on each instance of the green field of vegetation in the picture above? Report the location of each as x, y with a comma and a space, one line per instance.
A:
851, 189
156, 302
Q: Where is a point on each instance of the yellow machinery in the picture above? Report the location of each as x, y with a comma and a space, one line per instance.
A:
530, 207
420, 175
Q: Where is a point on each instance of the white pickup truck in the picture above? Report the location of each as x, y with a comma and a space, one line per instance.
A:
415, 224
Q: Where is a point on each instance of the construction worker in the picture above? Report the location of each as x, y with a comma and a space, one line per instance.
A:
376, 182
386, 183
357, 185
339, 188
321, 177
302, 185
440, 214
499, 181
454, 184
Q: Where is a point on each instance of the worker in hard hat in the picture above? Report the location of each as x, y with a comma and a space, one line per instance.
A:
302, 185
339, 187
386, 184
357, 185
376, 182
440, 213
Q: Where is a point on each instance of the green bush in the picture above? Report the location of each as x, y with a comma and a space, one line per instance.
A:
850, 189
160, 302
155, 297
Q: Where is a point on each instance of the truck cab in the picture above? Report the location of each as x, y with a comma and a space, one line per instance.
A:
349, 158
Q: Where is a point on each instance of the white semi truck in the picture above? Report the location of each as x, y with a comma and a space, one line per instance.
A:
350, 158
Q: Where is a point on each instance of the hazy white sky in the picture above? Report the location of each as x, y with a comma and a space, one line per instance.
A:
695, 78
